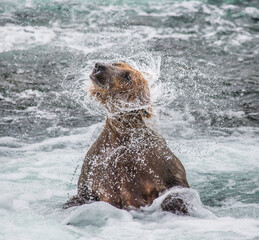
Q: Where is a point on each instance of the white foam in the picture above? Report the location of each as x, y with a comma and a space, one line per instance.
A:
98, 214
115, 224
251, 11
191, 198
217, 155
14, 37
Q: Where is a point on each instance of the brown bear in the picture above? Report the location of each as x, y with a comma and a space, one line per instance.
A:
129, 165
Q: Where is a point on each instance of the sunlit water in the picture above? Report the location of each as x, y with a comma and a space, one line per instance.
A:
201, 60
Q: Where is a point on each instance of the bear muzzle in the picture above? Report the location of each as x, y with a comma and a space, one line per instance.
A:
100, 76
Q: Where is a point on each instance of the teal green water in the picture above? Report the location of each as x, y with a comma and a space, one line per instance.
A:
203, 60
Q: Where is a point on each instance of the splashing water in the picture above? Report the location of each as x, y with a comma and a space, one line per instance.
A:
147, 64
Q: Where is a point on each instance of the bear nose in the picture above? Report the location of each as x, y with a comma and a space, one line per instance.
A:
99, 67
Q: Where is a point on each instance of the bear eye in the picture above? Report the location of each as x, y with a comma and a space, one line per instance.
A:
127, 76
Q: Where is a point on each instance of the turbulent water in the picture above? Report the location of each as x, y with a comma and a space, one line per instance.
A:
201, 59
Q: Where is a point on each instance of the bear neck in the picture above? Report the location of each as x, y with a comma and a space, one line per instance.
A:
124, 123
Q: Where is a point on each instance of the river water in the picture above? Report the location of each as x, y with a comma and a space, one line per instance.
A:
201, 59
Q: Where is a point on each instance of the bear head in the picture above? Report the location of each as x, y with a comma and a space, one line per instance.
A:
120, 88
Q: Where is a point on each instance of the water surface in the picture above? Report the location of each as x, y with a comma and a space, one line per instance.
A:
202, 59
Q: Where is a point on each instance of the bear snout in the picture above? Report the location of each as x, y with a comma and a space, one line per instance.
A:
99, 67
